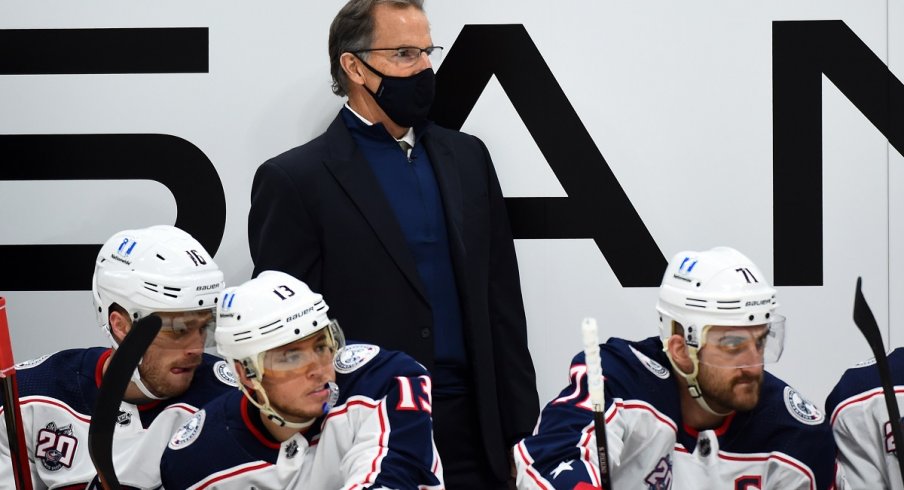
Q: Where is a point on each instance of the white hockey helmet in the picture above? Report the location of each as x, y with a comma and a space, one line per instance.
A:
717, 287
270, 311
155, 269
160, 269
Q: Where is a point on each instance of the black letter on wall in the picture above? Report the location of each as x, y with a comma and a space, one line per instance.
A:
174, 162
597, 206
802, 52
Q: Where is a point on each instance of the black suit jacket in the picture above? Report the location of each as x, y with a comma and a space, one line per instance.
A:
319, 213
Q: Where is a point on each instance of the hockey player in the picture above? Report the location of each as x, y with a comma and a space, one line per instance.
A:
859, 419
312, 412
693, 408
159, 270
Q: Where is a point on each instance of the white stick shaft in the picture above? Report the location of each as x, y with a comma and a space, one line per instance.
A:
594, 367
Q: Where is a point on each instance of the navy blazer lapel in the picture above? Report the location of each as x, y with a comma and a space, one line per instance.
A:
351, 170
446, 169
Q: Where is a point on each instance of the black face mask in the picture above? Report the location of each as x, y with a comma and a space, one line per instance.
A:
406, 100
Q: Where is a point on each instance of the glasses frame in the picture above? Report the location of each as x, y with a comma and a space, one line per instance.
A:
428, 50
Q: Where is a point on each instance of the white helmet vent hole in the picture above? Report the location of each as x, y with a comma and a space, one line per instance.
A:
314, 323
297, 331
161, 257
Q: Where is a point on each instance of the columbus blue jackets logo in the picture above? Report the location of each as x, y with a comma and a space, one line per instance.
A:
801, 409
55, 447
224, 373
189, 431
651, 365
354, 356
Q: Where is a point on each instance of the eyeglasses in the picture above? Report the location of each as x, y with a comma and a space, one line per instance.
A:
406, 56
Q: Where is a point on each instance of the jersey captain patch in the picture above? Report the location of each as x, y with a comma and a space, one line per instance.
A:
651, 365
224, 373
354, 356
801, 409
189, 431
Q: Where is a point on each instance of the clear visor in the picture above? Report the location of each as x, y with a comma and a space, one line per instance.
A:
740, 347
186, 329
299, 357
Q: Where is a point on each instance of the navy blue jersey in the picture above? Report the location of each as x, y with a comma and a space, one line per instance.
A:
783, 443
860, 423
57, 394
379, 434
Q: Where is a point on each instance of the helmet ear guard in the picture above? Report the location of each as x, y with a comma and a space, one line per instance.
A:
717, 287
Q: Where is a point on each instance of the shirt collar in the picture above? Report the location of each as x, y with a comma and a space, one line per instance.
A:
407, 137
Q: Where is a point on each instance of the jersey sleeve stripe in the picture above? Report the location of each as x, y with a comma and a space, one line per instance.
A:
231, 472
862, 397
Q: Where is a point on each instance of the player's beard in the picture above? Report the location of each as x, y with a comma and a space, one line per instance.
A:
156, 376
740, 392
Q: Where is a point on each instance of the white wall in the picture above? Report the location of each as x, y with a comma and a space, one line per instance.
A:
676, 95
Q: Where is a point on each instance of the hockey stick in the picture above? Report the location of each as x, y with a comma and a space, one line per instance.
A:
597, 399
109, 397
866, 322
12, 412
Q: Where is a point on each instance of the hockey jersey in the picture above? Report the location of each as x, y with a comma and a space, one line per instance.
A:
57, 394
859, 419
782, 444
378, 435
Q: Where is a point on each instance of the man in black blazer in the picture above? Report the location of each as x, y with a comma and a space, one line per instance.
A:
401, 223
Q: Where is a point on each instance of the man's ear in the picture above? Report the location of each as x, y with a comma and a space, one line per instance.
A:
240, 373
677, 350
353, 68
120, 324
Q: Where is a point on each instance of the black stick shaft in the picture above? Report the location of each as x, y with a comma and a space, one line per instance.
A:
866, 322
109, 397
602, 449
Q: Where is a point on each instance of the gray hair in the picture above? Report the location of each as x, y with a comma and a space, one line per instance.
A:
353, 30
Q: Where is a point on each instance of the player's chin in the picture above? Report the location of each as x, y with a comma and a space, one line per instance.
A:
747, 395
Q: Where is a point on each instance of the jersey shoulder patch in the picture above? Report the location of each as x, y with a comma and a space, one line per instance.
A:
654, 367
354, 356
189, 431
224, 373
32, 363
800, 408
868, 362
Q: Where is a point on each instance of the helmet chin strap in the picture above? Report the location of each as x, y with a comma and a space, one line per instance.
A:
136, 375
275, 416
693, 387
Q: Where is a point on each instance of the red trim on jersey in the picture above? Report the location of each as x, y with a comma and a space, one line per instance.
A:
99, 369
253, 429
50, 401
720, 430
149, 405
183, 406
344, 409
587, 453
529, 469
383, 432
642, 406
803, 469
864, 397
261, 465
